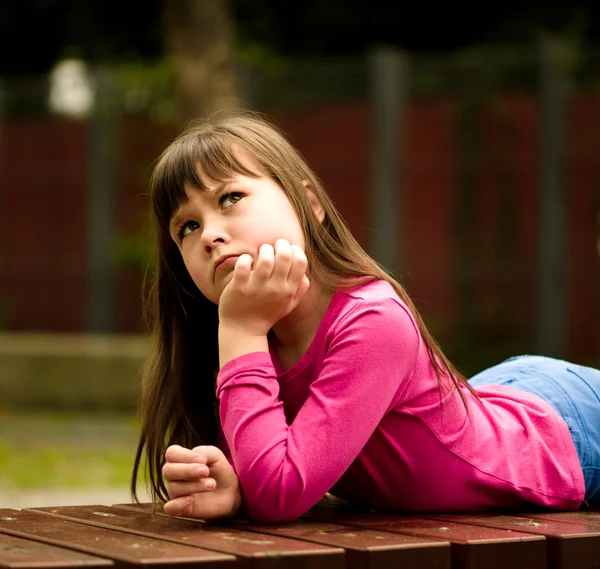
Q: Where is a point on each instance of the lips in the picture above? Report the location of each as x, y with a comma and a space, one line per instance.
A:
225, 262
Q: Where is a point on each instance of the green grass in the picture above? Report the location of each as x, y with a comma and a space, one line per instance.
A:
50, 450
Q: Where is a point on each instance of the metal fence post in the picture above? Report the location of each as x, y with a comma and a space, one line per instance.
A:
389, 90
551, 321
101, 187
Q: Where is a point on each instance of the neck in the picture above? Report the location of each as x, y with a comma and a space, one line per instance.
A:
296, 331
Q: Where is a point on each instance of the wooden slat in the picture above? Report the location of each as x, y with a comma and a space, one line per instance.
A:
363, 547
128, 549
472, 546
581, 517
570, 544
19, 553
253, 549
146, 507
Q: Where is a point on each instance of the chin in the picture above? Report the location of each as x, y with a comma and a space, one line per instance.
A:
210, 294
226, 280
215, 295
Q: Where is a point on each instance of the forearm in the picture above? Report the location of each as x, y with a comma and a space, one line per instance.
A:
272, 476
287, 463
235, 342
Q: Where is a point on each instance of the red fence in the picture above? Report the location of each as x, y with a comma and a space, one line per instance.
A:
491, 253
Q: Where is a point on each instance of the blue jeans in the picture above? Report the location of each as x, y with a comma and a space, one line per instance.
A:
573, 390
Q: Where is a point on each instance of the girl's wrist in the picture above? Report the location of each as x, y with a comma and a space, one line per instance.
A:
236, 341
239, 511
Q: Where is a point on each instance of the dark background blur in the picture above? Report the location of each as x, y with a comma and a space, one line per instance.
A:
489, 117
35, 34
462, 146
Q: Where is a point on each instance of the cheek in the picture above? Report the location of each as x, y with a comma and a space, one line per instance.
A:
201, 282
290, 226
206, 287
198, 274
278, 226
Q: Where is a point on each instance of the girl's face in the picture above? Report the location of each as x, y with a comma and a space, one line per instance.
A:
214, 227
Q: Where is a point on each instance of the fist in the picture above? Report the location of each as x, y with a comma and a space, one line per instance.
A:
261, 294
201, 483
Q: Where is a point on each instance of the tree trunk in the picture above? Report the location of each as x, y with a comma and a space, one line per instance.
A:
199, 37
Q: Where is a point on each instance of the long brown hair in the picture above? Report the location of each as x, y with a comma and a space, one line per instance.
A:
178, 397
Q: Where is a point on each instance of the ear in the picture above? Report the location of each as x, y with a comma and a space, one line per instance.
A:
315, 203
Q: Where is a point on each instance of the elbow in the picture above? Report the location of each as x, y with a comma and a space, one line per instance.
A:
280, 497
276, 508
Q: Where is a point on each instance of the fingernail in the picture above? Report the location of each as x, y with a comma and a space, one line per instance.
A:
210, 484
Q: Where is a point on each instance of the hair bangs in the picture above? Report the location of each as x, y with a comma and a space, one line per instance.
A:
220, 159
193, 160
175, 168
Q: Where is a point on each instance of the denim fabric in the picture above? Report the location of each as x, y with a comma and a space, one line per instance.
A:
573, 390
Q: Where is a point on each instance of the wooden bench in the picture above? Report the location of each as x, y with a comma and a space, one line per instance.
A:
328, 537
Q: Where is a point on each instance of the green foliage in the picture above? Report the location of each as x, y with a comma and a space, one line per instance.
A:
52, 450
262, 57
135, 251
54, 466
146, 87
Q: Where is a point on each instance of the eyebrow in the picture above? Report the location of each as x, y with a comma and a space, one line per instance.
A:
175, 221
177, 217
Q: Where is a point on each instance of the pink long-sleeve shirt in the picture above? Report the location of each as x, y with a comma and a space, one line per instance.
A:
361, 415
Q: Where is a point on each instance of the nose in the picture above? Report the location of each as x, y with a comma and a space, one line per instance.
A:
213, 234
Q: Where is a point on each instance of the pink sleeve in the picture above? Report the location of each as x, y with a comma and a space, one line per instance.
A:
284, 470
222, 445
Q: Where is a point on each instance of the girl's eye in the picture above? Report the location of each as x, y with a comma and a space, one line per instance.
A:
187, 228
229, 199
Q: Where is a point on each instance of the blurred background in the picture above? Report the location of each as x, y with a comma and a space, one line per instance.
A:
461, 145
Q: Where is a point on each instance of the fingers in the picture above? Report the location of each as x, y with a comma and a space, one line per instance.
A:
184, 464
175, 471
265, 262
176, 453
283, 262
297, 273
182, 506
211, 453
178, 489
242, 269
186, 471
302, 288
284, 257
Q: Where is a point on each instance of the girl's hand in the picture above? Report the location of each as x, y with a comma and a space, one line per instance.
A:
257, 297
201, 483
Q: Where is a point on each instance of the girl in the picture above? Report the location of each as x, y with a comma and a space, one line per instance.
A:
288, 364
